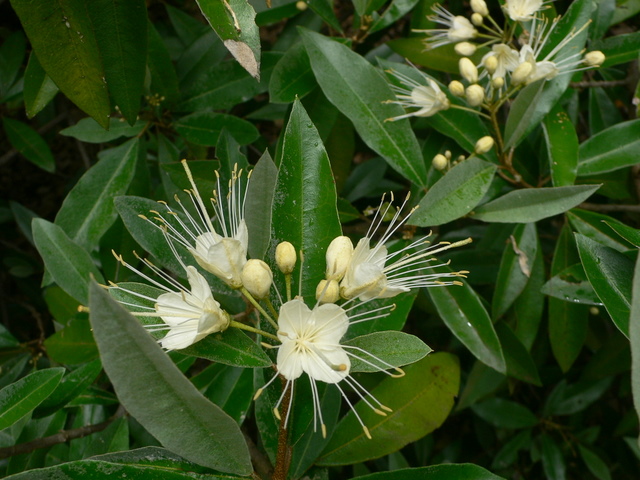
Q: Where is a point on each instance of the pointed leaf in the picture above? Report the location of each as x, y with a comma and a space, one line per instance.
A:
611, 149
39, 89
634, 338
561, 140
393, 348
258, 204
29, 143
88, 130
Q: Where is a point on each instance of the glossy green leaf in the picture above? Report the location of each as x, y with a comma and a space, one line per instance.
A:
121, 34
22, 397
552, 459
463, 312
519, 362
229, 154
164, 80
67, 262
571, 285
611, 149
88, 130
231, 348
63, 36
631, 235
234, 22
395, 320
74, 344
533, 204
442, 59
420, 403
292, 76
561, 140
203, 128
523, 109
598, 227
88, 210
451, 471
515, 268
395, 349
359, 91
619, 48
391, 14
179, 417
305, 204
502, 413
258, 202
455, 194
595, 464
603, 112
232, 390
39, 89
634, 338
29, 143
609, 272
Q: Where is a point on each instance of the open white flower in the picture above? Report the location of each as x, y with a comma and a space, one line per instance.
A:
375, 273
458, 28
222, 252
427, 97
522, 10
506, 60
189, 315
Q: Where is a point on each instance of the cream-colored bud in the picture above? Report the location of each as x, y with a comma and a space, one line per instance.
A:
497, 82
520, 74
338, 257
480, 7
491, 64
594, 59
440, 162
475, 95
328, 291
286, 257
447, 153
456, 88
301, 5
465, 49
468, 70
484, 145
477, 19
257, 278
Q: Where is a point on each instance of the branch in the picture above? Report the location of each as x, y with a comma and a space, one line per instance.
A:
596, 207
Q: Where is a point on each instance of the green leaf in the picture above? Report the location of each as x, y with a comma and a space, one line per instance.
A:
634, 338
179, 417
552, 459
618, 48
74, 344
519, 362
442, 59
598, 227
88, 210
258, 204
595, 464
29, 143
390, 14
561, 140
39, 89
421, 401
508, 454
395, 349
455, 194
466, 471
502, 413
22, 397
611, 149
608, 272
232, 390
630, 234
121, 33
533, 204
12, 53
570, 399
571, 285
234, 22
63, 37
164, 81
292, 76
203, 128
88, 130
232, 347
463, 312
306, 210
67, 262
522, 110
395, 320
358, 90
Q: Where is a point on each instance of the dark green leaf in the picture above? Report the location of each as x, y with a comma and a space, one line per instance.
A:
552, 459
569, 399
87, 130
595, 464
74, 344
562, 147
258, 205
39, 89
29, 143
619, 48
630, 234
613, 148
519, 362
292, 76
502, 413
395, 349
394, 321
232, 390
164, 81
443, 59
571, 285
523, 109
634, 338
466, 471
203, 128
231, 348
598, 227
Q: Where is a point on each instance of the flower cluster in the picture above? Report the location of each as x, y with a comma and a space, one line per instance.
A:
308, 340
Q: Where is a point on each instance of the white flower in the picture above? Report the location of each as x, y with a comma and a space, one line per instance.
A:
428, 99
458, 28
522, 10
189, 315
375, 273
500, 60
224, 254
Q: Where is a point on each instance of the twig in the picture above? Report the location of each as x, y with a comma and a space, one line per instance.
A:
596, 207
599, 83
283, 457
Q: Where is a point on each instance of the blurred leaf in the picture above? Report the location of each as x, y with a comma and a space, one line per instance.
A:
421, 401
88, 210
121, 35
359, 91
74, 344
466, 471
508, 454
164, 81
603, 112
395, 349
180, 417
234, 22
292, 76
21, 397
393, 12
533, 204
561, 140
455, 194
527, 310
324, 9
64, 39
442, 59
519, 363
12, 53
609, 273
611, 149
258, 203
569, 399
481, 382
598, 227
39, 89
502, 413
595, 464
552, 459
29, 143
88, 130
618, 49
634, 338
203, 128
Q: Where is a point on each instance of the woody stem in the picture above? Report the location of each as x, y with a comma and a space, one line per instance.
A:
283, 456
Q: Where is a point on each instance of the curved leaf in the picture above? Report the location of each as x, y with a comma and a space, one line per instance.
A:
394, 348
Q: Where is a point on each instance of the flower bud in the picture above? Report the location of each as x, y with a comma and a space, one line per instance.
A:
328, 291
484, 145
447, 153
477, 19
286, 257
338, 257
520, 74
497, 82
440, 162
456, 88
491, 64
257, 278
468, 70
301, 5
475, 95
479, 7
465, 49
594, 58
